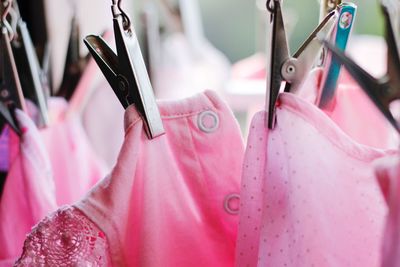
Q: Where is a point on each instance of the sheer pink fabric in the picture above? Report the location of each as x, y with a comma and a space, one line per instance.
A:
28, 193
308, 196
388, 174
75, 166
171, 201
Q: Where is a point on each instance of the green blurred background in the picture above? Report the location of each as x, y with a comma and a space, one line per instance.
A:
234, 26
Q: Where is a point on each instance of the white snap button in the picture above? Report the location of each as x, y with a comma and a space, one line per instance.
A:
231, 204
208, 121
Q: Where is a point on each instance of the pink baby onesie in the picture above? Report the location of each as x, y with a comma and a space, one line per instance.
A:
75, 166
388, 174
28, 193
169, 202
308, 195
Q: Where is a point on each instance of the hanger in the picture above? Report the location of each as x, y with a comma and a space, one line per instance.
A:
74, 63
126, 71
385, 90
347, 12
11, 95
283, 67
28, 67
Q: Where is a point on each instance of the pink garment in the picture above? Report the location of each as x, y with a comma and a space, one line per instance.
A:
106, 135
308, 195
388, 174
65, 238
349, 109
350, 106
28, 193
75, 166
171, 201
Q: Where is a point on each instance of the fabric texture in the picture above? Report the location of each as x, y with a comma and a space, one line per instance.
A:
29, 192
349, 109
75, 166
56, 240
308, 194
388, 175
103, 121
171, 201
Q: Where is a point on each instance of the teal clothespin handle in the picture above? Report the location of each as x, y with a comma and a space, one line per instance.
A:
343, 30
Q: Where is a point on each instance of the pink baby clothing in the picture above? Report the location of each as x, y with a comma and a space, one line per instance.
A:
28, 193
348, 109
388, 175
308, 195
106, 135
75, 166
171, 201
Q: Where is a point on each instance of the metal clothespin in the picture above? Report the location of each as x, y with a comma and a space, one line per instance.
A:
283, 67
29, 69
74, 63
385, 90
341, 34
126, 71
11, 95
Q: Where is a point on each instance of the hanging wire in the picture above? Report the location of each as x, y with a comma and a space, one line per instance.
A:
126, 19
6, 7
270, 6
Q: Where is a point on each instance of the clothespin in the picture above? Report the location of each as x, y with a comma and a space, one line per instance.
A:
29, 70
385, 90
283, 67
341, 34
11, 95
74, 63
126, 71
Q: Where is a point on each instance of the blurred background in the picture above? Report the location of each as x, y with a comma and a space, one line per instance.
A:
233, 26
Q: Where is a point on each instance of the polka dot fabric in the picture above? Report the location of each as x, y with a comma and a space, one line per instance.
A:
388, 174
308, 194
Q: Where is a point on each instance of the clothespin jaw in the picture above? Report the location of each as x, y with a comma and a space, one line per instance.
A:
29, 71
347, 12
74, 63
391, 15
126, 71
107, 61
283, 67
279, 55
10, 90
381, 91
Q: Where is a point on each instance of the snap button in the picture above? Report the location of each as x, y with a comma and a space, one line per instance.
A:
208, 121
231, 204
